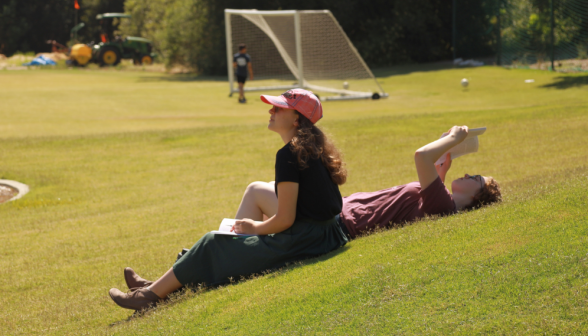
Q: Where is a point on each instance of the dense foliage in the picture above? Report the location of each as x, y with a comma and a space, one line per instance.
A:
191, 32
385, 32
27, 25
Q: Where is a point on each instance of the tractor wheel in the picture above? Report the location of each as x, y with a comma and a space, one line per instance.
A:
109, 56
146, 60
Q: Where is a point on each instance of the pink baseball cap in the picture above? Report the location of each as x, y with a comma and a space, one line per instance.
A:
301, 100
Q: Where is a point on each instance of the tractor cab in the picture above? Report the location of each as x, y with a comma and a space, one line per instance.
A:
109, 24
113, 47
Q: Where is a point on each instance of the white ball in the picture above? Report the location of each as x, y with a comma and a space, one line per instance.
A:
345, 85
465, 82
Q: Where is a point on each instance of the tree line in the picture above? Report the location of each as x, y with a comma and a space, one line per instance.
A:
192, 32
26, 26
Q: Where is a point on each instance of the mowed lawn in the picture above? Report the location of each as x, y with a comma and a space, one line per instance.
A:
127, 168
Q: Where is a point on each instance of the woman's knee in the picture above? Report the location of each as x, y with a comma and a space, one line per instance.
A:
255, 187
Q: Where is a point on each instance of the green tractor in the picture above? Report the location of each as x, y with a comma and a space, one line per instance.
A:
113, 48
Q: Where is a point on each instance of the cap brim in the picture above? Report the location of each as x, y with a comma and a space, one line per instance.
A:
278, 101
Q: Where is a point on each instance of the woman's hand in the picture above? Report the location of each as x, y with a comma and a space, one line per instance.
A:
459, 132
244, 226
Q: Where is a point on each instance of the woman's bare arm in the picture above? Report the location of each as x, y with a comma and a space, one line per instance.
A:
425, 157
284, 218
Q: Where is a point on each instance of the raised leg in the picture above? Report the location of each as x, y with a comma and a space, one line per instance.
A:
258, 200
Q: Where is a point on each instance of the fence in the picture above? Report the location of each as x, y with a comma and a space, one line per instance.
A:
542, 34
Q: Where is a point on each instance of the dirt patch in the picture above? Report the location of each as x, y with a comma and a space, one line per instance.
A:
7, 192
15, 62
571, 65
575, 65
179, 69
20, 58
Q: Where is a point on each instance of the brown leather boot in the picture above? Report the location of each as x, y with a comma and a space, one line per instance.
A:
139, 299
135, 281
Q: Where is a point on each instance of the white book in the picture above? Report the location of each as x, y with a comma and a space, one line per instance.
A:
469, 145
225, 228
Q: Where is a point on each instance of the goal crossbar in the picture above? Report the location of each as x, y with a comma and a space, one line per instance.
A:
291, 52
274, 13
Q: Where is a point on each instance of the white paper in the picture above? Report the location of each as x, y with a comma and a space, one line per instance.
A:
469, 145
225, 228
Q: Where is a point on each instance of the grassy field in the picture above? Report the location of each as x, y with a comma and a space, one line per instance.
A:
126, 168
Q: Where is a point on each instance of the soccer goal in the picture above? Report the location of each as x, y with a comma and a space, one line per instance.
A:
299, 49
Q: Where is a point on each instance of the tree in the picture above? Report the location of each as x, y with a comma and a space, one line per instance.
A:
384, 31
27, 25
149, 18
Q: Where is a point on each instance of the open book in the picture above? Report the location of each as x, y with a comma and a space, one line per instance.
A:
469, 145
225, 228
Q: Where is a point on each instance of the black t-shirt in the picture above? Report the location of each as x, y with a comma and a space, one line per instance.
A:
318, 196
241, 60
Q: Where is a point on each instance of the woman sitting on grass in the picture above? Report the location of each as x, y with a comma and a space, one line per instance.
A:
366, 211
308, 172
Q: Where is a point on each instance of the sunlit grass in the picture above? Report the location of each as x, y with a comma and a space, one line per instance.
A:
125, 169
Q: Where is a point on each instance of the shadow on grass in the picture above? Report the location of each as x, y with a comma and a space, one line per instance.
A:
182, 78
188, 292
405, 69
567, 82
402, 69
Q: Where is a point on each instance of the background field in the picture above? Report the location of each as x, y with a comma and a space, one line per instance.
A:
125, 169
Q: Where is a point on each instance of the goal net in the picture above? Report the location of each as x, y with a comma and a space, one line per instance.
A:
293, 49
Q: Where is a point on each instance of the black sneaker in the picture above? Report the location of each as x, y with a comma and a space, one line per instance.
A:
181, 254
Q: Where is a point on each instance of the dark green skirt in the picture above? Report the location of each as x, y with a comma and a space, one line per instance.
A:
214, 259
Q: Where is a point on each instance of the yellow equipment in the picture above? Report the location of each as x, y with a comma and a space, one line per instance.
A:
81, 54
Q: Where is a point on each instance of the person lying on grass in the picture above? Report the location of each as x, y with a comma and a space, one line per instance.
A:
366, 211
308, 172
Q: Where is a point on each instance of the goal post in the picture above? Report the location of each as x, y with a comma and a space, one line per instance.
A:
298, 49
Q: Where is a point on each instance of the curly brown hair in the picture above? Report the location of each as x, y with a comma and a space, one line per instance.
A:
489, 194
311, 142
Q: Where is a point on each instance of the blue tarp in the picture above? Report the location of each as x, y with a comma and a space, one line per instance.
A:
41, 60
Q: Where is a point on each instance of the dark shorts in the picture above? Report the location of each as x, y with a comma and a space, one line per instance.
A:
241, 79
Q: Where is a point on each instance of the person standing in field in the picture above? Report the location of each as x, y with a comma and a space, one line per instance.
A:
242, 66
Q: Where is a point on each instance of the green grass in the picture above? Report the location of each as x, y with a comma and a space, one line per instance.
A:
126, 168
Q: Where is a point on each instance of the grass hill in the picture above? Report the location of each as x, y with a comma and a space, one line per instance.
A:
125, 169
